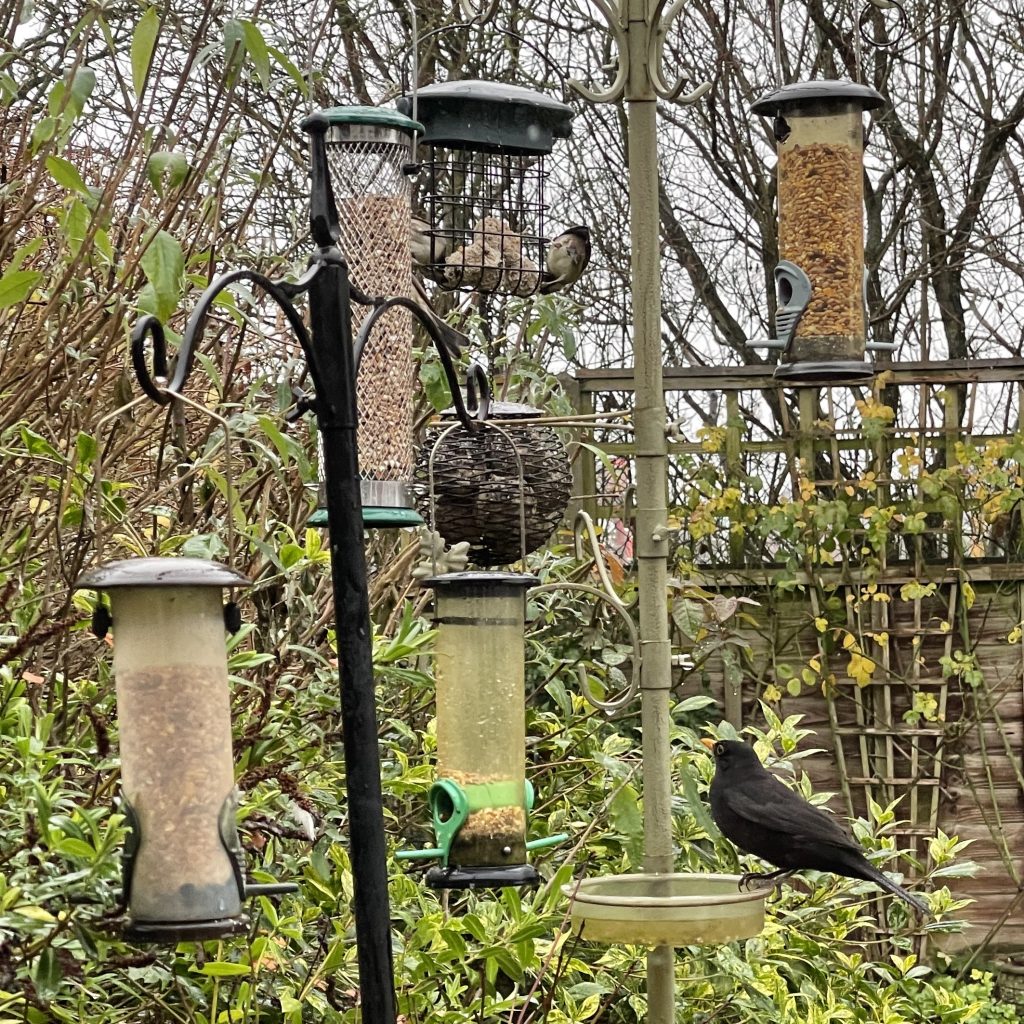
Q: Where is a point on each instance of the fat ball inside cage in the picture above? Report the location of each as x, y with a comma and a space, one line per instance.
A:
480, 183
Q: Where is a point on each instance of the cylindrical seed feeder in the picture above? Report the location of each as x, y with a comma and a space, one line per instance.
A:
820, 277
481, 801
182, 871
481, 182
367, 151
489, 484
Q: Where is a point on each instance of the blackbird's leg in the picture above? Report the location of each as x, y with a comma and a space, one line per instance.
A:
775, 878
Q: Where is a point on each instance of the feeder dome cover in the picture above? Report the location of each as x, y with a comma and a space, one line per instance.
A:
823, 93
489, 117
370, 117
160, 572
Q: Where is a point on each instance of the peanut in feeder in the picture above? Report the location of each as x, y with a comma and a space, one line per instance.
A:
368, 150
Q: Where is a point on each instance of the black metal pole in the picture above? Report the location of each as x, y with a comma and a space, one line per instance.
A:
333, 370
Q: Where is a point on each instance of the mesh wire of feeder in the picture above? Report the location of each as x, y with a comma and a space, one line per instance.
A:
372, 194
487, 212
478, 493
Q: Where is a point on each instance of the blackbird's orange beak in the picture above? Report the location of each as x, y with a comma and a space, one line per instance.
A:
710, 744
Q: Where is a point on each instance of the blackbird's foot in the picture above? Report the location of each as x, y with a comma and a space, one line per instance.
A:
771, 880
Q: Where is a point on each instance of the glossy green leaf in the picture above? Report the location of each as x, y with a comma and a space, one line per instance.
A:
144, 38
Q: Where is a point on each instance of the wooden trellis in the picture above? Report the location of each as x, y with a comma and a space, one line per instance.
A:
956, 767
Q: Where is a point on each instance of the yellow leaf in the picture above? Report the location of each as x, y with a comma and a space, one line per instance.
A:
1015, 635
772, 693
821, 624
815, 663
849, 641
968, 595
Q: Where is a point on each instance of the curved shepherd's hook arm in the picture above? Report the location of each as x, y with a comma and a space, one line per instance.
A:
479, 409
153, 384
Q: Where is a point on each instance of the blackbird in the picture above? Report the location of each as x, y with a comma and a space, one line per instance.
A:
760, 815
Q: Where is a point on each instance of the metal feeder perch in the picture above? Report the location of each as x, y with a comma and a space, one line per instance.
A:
481, 182
481, 801
183, 877
368, 149
665, 910
503, 489
819, 131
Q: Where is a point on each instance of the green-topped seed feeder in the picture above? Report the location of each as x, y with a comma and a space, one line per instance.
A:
481, 800
818, 128
368, 150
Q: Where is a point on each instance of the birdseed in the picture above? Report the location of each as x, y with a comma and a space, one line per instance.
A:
821, 198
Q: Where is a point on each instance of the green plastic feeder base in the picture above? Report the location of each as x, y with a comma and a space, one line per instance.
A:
375, 518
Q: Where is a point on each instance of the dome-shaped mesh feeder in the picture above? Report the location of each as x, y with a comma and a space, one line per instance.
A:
479, 495
481, 182
367, 150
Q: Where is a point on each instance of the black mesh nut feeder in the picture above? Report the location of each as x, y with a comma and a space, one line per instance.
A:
819, 132
481, 177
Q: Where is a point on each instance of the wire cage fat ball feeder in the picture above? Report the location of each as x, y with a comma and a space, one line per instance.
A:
820, 319
504, 490
480, 180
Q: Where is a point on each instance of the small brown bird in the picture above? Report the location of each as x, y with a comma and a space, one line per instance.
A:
568, 256
427, 245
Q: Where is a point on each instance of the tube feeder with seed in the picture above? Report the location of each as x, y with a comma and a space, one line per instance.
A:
182, 862
818, 128
481, 800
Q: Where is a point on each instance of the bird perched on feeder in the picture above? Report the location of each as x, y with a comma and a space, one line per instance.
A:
568, 256
760, 815
427, 245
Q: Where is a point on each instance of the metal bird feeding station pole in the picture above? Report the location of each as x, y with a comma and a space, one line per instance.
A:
639, 28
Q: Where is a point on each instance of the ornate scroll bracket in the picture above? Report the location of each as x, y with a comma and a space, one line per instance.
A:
642, 42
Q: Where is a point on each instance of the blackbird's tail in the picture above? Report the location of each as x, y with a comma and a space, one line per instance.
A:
884, 881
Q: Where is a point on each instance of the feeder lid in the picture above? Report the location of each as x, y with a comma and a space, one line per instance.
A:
823, 93
489, 117
502, 411
160, 572
380, 117
480, 582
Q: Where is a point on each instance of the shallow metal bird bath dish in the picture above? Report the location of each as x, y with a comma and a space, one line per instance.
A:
666, 910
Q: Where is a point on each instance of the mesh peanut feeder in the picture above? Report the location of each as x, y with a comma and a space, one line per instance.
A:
503, 489
819, 131
367, 150
481, 182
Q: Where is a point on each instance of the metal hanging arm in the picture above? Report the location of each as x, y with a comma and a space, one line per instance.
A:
583, 526
476, 379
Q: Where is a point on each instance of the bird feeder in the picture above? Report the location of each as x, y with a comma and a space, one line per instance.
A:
819, 280
665, 910
481, 182
503, 489
368, 149
182, 861
481, 801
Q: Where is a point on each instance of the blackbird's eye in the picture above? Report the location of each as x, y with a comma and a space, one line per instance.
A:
719, 750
